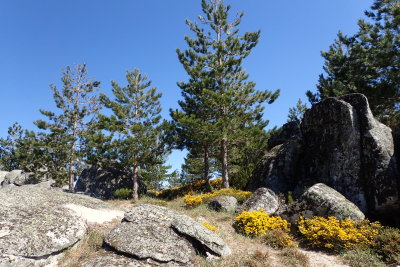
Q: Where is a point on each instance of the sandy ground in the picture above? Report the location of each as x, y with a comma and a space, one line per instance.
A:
95, 216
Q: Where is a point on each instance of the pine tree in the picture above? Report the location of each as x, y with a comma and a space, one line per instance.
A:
77, 101
219, 102
367, 62
136, 125
8, 148
296, 113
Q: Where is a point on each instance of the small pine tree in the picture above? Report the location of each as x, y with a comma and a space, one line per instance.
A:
296, 113
136, 125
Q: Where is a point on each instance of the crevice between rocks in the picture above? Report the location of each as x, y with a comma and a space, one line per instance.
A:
199, 247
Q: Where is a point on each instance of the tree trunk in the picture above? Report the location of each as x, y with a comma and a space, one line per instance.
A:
71, 178
72, 160
224, 156
206, 171
135, 177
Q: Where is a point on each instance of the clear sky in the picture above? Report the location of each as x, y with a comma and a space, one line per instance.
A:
39, 38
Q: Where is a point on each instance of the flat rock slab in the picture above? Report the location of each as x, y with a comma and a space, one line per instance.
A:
166, 236
36, 223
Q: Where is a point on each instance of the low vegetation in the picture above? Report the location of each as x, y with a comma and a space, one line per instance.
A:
333, 234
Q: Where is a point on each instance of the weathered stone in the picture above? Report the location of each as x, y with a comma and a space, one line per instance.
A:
157, 233
262, 199
212, 242
349, 150
223, 203
36, 223
290, 130
321, 200
103, 182
277, 169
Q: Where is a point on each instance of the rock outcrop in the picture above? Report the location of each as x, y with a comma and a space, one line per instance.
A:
163, 235
321, 200
37, 224
103, 182
16, 177
341, 145
223, 203
262, 199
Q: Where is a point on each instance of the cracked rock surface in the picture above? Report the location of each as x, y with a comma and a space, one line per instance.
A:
36, 224
166, 236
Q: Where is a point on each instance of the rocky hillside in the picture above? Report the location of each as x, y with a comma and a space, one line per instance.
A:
338, 143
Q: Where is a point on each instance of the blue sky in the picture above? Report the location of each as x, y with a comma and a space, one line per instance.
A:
39, 38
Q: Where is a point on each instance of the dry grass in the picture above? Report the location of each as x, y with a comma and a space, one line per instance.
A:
91, 243
294, 257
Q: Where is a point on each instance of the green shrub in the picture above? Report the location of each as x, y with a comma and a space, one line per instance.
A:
387, 244
123, 193
361, 256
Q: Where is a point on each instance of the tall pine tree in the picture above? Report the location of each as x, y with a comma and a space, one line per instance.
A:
136, 125
77, 101
220, 104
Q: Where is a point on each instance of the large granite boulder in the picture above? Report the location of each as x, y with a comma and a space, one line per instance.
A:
290, 130
37, 224
223, 203
321, 200
277, 169
103, 182
163, 235
262, 199
343, 146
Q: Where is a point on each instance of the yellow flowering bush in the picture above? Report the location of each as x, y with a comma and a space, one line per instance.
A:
240, 195
192, 201
335, 234
257, 223
209, 226
196, 187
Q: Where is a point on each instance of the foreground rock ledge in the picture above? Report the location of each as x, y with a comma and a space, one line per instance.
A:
166, 236
37, 223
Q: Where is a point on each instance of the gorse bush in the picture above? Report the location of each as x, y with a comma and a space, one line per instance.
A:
240, 195
331, 233
123, 193
194, 201
192, 188
258, 223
